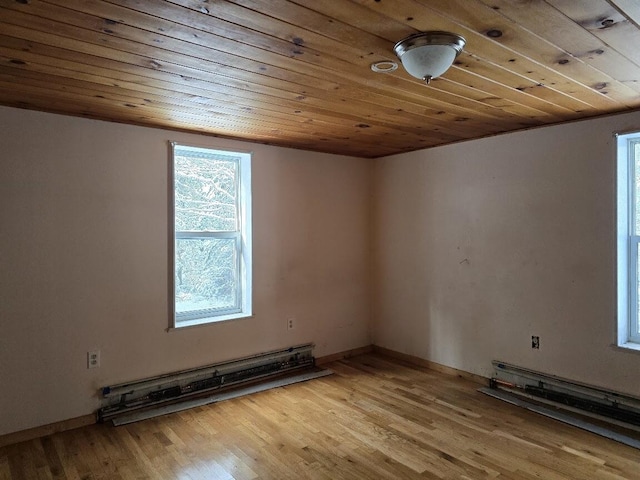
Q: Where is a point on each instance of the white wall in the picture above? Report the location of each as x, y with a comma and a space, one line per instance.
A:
482, 244
83, 260
477, 246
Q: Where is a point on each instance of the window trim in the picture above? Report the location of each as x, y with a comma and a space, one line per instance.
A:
243, 240
627, 244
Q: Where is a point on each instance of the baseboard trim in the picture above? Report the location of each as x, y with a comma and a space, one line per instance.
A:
421, 362
44, 430
342, 355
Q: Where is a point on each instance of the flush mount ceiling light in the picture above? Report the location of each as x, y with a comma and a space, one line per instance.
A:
427, 55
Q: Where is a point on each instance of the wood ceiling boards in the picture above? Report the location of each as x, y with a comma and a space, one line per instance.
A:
297, 73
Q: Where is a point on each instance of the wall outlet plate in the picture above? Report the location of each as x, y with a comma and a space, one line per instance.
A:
93, 359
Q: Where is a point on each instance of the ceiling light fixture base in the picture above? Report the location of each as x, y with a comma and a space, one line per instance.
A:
384, 66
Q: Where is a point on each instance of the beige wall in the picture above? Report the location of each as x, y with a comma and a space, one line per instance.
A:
480, 245
477, 246
83, 242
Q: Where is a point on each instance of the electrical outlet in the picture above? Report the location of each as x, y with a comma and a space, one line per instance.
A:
291, 323
93, 359
535, 342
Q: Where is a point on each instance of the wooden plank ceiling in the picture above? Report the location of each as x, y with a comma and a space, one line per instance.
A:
297, 72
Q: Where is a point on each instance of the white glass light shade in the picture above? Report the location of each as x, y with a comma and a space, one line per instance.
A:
428, 61
428, 55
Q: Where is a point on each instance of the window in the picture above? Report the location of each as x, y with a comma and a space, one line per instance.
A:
628, 239
212, 235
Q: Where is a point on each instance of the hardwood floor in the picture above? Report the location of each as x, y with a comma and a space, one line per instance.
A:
376, 418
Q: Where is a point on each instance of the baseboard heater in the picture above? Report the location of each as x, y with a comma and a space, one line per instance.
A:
134, 401
604, 405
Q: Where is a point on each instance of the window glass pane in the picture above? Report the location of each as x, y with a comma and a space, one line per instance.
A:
635, 325
205, 192
206, 274
636, 186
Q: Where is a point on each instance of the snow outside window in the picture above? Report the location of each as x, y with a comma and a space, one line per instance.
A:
211, 210
628, 239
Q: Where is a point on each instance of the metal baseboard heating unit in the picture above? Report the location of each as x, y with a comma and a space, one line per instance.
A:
515, 384
148, 398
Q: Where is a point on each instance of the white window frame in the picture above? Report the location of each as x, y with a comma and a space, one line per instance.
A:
242, 234
627, 243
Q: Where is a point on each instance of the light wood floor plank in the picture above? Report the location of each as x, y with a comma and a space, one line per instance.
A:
375, 418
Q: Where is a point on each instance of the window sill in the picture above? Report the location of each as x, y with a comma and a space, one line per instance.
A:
203, 322
627, 347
